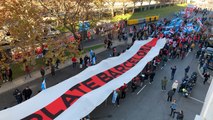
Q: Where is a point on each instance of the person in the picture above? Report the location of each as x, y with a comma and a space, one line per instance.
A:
52, 70
173, 107
170, 95
133, 85
116, 97
187, 70
42, 71
206, 77
123, 90
205, 67
109, 44
81, 62
27, 92
4, 74
10, 74
105, 42
180, 115
86, 59
175, 85
18, 96
74, 62
57, 63
152, 75
173, 72
164, 83
27, 70
114, 51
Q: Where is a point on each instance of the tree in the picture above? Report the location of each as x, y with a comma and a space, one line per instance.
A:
124, 4
21, 18
70, 12
111, 3
134, 3
141, 6
149, 4
99, 5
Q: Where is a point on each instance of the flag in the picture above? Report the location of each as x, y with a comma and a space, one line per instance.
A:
172, 31
43, 85
199, 22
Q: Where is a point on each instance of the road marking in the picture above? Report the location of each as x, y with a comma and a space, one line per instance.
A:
141, 89
196, 99
187, 54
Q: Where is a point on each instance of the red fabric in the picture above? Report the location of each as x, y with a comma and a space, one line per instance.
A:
27, 69
123, 87
74, 59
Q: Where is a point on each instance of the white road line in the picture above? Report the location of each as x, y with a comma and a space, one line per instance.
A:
196, 99
187, 54
141, 89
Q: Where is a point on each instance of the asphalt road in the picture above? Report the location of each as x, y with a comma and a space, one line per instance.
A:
8, 100
150, 103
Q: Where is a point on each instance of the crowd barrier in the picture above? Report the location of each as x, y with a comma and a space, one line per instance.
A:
142, 20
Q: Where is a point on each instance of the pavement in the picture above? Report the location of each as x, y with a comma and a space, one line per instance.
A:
64, 72
146, 103
150, 103
36, 74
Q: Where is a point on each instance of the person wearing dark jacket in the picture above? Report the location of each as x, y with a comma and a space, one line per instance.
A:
18, 95
152, 75
179, 115
27, 92
170, 95
52, 70
42, 71
10, 74
133, 85
187, 70
173, 72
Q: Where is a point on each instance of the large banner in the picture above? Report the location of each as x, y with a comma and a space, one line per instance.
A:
76, 97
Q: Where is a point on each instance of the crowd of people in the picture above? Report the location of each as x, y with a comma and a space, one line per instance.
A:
178, 45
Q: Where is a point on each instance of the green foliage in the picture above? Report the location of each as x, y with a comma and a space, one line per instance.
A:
162, 12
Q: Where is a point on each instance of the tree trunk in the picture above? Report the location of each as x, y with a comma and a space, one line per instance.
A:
156, 4
141, 5
149, 4
123, 8
112, 10
133, 10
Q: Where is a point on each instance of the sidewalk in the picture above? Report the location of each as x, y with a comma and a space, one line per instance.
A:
35, 75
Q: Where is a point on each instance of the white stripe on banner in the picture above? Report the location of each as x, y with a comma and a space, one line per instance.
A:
47, 105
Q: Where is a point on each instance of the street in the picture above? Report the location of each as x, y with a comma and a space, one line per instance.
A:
8, 100
146, 103
150, 103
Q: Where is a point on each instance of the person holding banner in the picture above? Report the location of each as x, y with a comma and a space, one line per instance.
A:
116, 97
123, 90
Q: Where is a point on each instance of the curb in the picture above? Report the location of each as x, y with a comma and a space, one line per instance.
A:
36, 74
